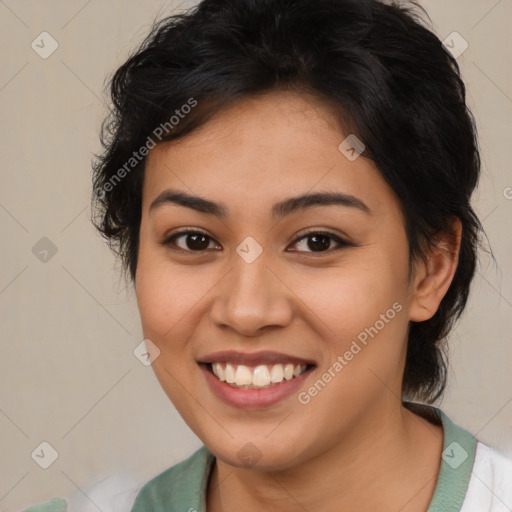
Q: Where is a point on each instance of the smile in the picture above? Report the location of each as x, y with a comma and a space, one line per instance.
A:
254, 380
256, 377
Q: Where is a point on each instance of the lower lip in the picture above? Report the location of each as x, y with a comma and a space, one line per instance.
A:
252, 398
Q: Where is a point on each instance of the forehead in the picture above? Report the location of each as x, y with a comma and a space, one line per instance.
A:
261, 150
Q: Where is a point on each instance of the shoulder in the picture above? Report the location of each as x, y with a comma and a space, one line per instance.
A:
54, 505
181, 486
490, 487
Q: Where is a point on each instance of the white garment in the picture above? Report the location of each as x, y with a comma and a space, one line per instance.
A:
490, 485
113, 494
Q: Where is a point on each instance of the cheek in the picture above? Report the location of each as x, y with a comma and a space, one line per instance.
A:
364, 305
349, 298
166, 299
165, 295
365, 311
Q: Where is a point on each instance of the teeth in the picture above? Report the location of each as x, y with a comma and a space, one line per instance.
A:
277, 373
288, 371
230, 374
259, 377
219, 371
243, 376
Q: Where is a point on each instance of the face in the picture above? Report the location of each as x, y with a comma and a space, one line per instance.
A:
303, 303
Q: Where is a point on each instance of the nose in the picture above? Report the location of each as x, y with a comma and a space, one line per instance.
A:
251, 298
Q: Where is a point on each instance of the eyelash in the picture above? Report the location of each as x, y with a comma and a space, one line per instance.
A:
169, 241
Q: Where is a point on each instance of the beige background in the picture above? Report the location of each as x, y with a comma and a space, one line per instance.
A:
67, 370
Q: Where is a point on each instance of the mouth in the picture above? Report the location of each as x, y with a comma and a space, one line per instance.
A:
254, 380
256, 377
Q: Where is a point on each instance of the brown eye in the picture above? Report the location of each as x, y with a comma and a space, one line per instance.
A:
191, 241
319, 242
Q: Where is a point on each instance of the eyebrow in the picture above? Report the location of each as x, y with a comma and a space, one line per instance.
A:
279, 210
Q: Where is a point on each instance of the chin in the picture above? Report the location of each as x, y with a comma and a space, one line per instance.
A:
257, 454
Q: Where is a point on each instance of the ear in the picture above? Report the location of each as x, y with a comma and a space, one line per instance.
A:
432, 278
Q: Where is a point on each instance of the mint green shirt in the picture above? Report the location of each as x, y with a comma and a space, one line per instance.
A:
183, 487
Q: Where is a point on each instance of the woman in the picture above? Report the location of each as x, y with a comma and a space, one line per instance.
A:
288, 184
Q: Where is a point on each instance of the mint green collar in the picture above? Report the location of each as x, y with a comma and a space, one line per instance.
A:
184, 486
459, 449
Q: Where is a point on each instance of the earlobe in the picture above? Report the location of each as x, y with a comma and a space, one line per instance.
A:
434, 276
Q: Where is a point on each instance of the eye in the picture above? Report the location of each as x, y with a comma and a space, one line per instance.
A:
319, 241
189, 240
197, 241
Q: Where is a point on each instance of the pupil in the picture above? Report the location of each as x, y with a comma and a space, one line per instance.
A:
322, 242
197, 241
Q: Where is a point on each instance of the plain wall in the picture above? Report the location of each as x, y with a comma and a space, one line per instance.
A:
67, 370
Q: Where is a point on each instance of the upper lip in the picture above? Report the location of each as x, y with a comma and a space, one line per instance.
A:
250, 359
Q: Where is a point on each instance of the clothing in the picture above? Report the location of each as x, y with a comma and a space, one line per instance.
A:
114, 493
473, 477
54, 505
490, 487
458, 489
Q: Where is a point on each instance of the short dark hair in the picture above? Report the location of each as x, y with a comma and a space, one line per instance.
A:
387, 77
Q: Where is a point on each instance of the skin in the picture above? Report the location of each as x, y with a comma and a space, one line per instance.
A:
353, 446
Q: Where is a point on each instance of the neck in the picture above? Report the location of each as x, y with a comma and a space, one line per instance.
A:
390, 462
